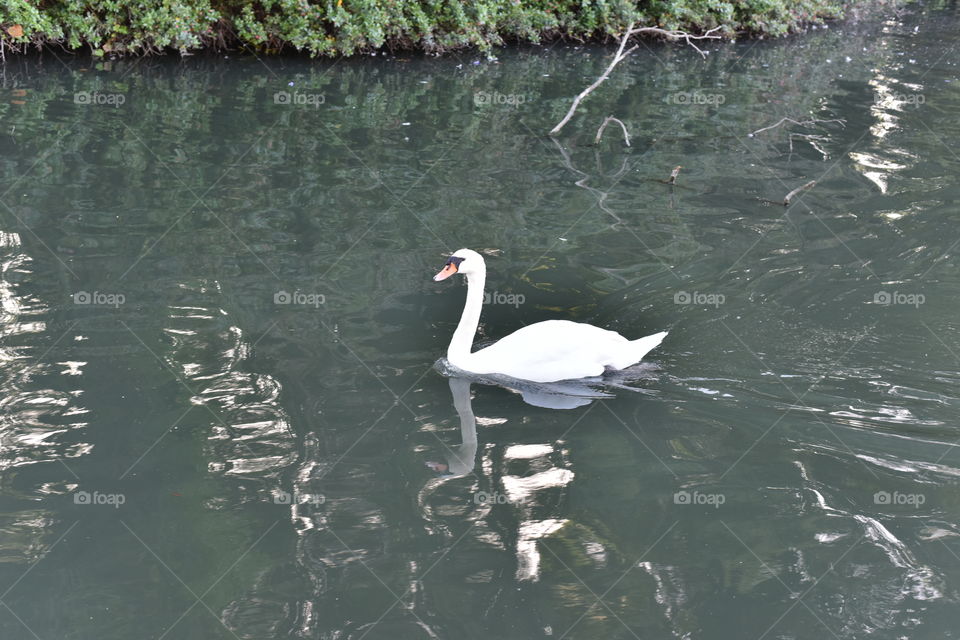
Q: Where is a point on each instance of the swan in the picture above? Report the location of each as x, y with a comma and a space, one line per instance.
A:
547, 351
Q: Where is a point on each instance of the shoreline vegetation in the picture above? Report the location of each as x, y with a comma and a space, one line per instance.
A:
329, 28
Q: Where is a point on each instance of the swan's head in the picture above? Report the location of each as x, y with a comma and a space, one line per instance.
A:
463, 261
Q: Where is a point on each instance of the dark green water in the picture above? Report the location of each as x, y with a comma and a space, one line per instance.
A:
186, 456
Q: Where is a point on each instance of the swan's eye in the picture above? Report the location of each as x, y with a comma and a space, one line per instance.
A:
455, 261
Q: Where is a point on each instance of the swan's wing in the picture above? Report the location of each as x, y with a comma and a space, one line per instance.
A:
551, 350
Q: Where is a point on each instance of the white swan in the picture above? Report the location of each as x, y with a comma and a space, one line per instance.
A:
543, 352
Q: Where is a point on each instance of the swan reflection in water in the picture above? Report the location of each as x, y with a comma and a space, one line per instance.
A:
460, 458
565, 394
529, 479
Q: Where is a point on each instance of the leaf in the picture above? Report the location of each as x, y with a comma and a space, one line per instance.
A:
15, 31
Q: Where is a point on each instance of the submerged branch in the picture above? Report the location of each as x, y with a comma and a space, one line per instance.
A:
799, 123
789, 196
813, 140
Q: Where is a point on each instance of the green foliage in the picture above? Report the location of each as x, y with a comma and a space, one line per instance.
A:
344, 27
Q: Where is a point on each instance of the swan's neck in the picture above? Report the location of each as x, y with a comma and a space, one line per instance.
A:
462, 340
460, 389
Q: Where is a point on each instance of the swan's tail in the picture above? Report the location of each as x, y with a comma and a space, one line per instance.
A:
635, 350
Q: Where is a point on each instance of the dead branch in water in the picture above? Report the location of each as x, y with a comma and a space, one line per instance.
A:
813, 140
621, 54
789, 196
608, 120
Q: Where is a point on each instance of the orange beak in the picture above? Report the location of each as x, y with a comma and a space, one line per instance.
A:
448, 270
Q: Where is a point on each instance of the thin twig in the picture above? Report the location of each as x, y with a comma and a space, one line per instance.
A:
621, 54
789, 196
608, 120
678, 35
800, 123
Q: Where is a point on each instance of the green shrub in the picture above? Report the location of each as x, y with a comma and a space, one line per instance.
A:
344, 27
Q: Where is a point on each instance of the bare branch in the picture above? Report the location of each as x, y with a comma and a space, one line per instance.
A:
596, 83
608, 120
621, 54
678, 35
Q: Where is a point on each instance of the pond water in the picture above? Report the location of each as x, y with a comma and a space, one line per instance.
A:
221, 416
